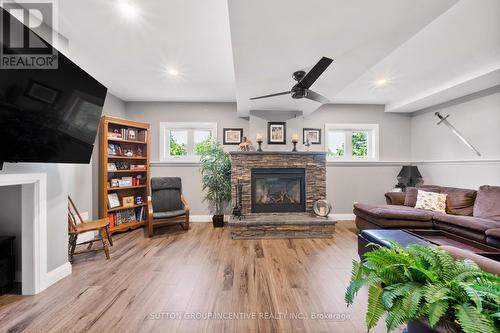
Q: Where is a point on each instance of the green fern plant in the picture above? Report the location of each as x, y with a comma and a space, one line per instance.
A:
425, 282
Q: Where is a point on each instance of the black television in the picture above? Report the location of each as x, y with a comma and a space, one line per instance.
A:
46, 115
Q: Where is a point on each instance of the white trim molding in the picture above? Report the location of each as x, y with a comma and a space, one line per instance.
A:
57, 274
343, 217
200, 218
460, 162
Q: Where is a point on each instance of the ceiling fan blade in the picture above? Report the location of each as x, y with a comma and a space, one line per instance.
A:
311, 76
314, 96
272, 95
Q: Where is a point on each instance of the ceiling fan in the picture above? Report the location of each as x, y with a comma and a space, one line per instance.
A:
304, 82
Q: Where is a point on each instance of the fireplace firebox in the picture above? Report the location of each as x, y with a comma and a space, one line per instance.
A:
278, 190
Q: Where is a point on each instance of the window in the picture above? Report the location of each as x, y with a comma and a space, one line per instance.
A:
351, 142
185, 141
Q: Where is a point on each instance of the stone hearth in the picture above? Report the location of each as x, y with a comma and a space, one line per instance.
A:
284, 225
314, 164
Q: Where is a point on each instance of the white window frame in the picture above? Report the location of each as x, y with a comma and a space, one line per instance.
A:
373, 142
165, 128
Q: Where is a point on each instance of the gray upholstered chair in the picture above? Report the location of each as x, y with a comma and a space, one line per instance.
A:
167, 205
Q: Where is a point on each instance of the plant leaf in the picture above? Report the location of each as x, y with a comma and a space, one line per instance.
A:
375, 307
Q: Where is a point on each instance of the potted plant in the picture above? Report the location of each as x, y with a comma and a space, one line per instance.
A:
424, 287
216, 179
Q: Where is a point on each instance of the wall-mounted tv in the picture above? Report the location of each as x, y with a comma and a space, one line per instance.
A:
46, 115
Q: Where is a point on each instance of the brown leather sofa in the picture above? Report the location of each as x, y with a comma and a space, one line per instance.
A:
469, 213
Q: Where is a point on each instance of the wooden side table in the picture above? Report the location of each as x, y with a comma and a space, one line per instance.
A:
7, 270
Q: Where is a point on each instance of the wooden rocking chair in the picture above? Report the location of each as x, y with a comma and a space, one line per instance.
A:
76, 226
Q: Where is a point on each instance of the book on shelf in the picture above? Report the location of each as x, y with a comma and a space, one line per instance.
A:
137, 167
126, 216
131, 134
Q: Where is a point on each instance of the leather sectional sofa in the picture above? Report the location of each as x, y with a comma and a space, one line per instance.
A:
469, 213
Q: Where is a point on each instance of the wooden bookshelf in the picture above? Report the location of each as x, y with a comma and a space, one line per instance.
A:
123, 143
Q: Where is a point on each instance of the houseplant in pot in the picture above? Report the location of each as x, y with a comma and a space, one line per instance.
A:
424, 287
215, 171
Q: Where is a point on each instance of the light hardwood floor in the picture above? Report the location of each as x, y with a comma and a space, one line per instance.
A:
158, 284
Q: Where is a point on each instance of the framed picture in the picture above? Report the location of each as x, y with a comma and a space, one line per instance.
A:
113, 200
276, 133
42, 93
313, 135
232, 136
128, 201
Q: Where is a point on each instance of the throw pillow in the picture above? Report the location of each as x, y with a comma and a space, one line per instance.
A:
431, 201
412, 192
459, 201
487, 203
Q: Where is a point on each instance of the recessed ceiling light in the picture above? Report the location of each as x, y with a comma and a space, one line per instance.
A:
381, 82
173, 72
127, 9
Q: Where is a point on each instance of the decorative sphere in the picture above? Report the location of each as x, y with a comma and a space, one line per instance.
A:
322, 208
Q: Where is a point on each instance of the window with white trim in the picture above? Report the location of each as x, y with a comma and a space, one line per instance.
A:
185, 141
352, 142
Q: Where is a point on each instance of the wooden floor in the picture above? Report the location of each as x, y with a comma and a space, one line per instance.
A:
176, 280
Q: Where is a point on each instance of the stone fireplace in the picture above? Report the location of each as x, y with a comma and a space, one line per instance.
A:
278, 182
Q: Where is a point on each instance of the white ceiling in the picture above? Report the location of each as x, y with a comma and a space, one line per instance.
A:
271, 40
130, 56
456, 54
429, 50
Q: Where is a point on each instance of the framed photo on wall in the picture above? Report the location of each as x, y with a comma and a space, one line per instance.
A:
313, 135
276, 133
232, 136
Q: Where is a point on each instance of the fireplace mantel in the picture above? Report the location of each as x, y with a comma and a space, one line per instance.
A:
263, 153
313, 162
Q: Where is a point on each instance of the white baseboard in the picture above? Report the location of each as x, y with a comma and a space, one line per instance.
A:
200, 218
344, 217
56, 274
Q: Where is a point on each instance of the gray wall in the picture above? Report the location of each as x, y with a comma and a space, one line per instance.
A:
478, 117
10, 219
346, 183
154, 113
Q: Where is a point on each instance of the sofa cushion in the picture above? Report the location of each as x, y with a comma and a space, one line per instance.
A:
495, 232
412, 193
487, 205
166, 215
393, 212
493, 237
431, 201
467, 222
459, 201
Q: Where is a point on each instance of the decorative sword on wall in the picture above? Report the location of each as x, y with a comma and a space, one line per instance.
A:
445, 121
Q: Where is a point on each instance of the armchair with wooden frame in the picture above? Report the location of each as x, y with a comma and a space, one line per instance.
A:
77, 226
167, 205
